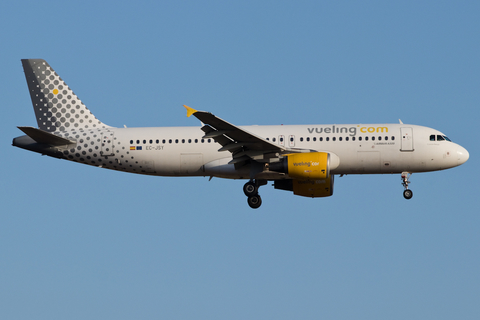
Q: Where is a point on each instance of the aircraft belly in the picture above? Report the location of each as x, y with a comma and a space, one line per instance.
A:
191, 163
167, 164
220, 168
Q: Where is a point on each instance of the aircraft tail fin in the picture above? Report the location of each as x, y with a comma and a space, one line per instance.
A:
56, 107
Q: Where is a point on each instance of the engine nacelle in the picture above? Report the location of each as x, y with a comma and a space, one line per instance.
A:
304, 166
307, 188
309, 173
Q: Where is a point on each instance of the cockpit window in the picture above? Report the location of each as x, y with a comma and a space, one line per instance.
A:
439, 138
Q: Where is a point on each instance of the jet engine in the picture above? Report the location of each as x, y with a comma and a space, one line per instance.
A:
304, 166
307, 188
309, 173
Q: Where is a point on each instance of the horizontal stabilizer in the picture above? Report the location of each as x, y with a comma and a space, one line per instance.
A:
44, 137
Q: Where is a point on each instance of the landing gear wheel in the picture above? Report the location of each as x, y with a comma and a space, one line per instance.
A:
254, 201
250, 189
408, 194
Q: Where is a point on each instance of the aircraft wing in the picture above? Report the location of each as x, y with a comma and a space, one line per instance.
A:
242, 144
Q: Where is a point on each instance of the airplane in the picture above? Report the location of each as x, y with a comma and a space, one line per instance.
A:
302, 159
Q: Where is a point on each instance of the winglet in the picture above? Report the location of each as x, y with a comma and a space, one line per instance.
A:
190, 111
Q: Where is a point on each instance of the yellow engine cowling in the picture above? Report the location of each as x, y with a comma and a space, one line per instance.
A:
307, 188
313, 188
309, 173
308, 166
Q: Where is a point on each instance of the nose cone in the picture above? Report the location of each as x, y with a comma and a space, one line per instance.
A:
462, 155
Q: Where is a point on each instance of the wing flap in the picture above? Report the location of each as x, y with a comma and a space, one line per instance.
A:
233, 146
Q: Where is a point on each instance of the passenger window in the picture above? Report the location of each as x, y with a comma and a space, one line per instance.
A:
314, 138
138, 141
183, 140
176, 140
393, 138
432, 137
379, 138
144, 141
386, 137
273, 139
308, 139
281, 139
353, 138
334, 139
340, 139
320, 139
373, 138
366, 138
359, 138
189, 140
301, 139
327, 139
151, 141
170, 141
158, 141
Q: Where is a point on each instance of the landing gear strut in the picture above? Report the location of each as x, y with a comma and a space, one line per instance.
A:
407, 193
251, 191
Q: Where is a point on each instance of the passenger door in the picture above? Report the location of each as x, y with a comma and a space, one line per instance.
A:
107, 144
407, 139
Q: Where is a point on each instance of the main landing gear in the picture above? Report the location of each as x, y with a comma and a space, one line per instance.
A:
407, 193
251, 191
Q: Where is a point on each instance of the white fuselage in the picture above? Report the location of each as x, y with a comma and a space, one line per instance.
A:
181, 151
299, 158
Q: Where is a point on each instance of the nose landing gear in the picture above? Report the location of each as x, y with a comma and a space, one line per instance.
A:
251, 191
407, 193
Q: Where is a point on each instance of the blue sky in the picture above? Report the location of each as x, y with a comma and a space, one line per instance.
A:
81, 242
